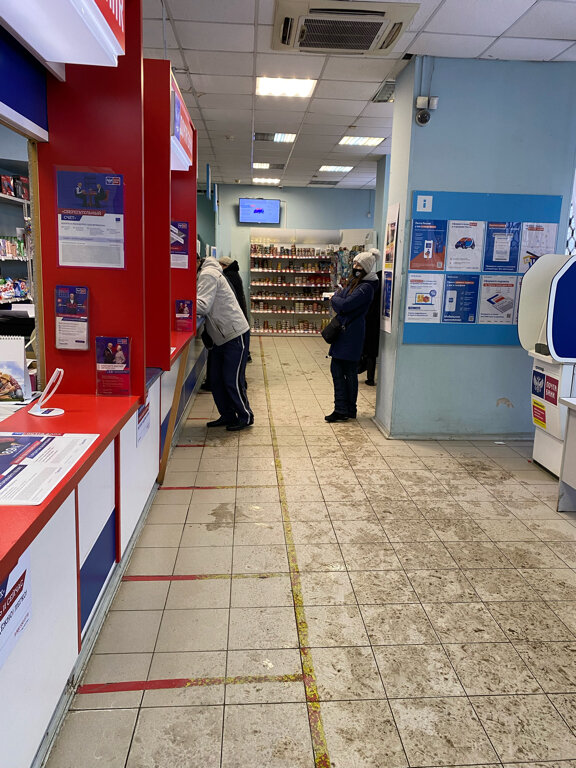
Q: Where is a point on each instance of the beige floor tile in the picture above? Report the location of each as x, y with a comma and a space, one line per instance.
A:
346, 673
152, 561
263, 592
262, 666
215, 478
221, 464
566, 705
257, 495
199, 593
308, 512
409, 531
93, 739
441, 731
258, 534
410, 671
213, 534
319, 557
113, 668
566, 550
258, 628
553, 530
334, 625
212, 496
211, 513
166, 737
525, 728
529, 622
257, 559
442, 586
257, 478
313, 532
140, 596
193, 666
478, 554
528, 554
167, 514
257, 512
254, 464
129, 632
353, 511
458, 530
491, 668
160, 535
175, 479
530, 509
552, 583
379, 587
359, 531
173, 497
326, 588
424, 555
398, 625
500, 584
255, 452
566, 612
203, 560
370, 557
463, 623
193, 630
271, 735
186, 454
552, 664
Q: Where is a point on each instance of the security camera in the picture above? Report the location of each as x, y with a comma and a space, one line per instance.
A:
422, 116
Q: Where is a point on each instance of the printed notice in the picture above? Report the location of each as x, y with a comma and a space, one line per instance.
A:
502, 246
90, 219
71, 317
497, 300
143, 423
428, 245
465, 246
461, 299
537, 239
386, 313
179, 245
391, 235
424, 298
15, 605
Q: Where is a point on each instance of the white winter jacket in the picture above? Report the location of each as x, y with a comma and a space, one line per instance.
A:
217, 302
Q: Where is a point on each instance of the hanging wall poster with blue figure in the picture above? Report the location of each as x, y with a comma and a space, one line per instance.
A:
428, 245
502, 246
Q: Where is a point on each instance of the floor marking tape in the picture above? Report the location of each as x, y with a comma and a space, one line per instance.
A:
208, 487
200, 576
190, 445
184, 682
321, 756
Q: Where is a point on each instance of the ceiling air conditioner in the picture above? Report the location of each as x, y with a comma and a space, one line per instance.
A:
340, 26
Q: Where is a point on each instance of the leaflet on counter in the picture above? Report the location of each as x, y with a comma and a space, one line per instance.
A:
32, 465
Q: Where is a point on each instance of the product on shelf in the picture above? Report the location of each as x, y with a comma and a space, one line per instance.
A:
7, 185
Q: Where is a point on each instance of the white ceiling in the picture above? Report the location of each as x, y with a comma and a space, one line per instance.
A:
219, 47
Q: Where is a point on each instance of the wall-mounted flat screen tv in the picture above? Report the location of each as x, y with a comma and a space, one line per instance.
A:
254, 211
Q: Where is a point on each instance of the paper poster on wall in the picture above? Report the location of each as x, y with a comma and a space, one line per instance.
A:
460, 299
15, 605
71, 317
424, 298
497, 300
428, 244
112, 365
502, 246
90, 210
184, 319
465, 246
537, 239
179, 244
386, 308
391, 237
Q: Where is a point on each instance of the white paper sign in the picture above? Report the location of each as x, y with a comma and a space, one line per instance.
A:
537, 239
424, 297
497, 300
465, 246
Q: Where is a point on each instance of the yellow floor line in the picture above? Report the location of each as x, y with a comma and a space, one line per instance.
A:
321, 756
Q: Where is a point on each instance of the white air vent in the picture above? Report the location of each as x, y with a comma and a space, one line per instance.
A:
339, 26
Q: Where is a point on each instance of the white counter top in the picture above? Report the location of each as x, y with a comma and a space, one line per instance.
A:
569, 402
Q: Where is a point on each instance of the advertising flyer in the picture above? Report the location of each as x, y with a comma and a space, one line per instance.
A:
14, 377
424, 298
15, 605
143, 424
461, 299
537, 239
112, 365
31, 465
179, 245
184, 315
465, 246
428, 245
391, 235
90, 219
71, 317
386, 309
497, 300
502, 246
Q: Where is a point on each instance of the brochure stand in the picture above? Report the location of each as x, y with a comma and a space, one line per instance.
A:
39, 409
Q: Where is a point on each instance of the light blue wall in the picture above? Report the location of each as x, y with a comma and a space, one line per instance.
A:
502, 127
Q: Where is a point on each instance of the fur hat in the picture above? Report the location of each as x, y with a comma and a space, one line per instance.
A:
367, 259
225, 261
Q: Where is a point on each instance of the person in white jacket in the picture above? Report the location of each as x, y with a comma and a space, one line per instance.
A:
230, 332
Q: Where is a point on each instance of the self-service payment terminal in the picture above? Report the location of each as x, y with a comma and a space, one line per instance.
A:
547, 330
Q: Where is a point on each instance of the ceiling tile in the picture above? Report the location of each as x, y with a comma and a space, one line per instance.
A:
152, 9
547, 19
223, 115
225, 101
319, 118
153, 35
281, 104
524, 49
230, 11
465, 17
333, 89
568, 55
325, 128
264, 38
201, 36
288, 65
266, 11
460, 46
221, 63
383, 109
222, 84
373, 124
336, 106
357, 68
173, 55
401, 47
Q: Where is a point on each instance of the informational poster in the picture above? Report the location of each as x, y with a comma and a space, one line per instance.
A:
184, 315
502, 248
112, 365
465, 246
90, 210
428, 244
72, 317
143, 423
179, 231
15, 605
545, 393
386, 309
497, 300
424, 297
460, 298
391, 235
537, 239
32, 465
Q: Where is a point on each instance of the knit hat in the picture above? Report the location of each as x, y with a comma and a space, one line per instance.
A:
367, 259
225, 261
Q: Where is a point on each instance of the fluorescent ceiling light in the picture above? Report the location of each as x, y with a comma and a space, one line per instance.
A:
284, 86
360, 141
262, 166
265, 181
287, 138
336, 168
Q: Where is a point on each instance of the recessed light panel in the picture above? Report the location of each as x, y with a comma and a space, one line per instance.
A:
265, 181
287, 138
284, 86
336, 168
360, 141
261, 166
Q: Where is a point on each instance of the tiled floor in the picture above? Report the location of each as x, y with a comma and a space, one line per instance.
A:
336, 599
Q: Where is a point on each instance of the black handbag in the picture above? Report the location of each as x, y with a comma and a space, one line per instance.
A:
332, 331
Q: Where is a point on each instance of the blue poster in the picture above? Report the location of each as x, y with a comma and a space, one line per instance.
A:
428, 246
461, 298
502, 246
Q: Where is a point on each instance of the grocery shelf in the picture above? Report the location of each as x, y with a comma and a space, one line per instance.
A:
274, 332
289, 258
289, 271
12, 199
287, 312
291, 285
295, 297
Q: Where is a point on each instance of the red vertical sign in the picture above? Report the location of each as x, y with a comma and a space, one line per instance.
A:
114, 13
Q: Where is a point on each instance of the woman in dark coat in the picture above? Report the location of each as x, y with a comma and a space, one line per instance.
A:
351, 305
372, 339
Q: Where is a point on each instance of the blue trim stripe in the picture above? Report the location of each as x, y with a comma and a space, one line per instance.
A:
96, 568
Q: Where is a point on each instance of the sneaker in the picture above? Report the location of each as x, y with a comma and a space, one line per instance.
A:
352, 415
334, 416
221, 422
239, 425
205, 387
370, 382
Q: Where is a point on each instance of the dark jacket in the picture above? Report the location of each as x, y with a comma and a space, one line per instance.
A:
372, 339
351, 309
232, 274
